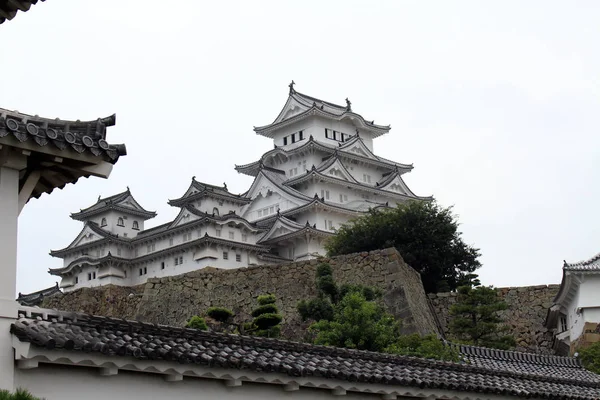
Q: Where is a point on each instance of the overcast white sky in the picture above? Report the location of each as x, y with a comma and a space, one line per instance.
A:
497, 105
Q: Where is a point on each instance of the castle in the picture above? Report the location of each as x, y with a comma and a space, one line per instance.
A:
321, 172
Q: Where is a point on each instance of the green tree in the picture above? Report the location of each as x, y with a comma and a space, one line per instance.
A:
197, 322
267, 320
19, 394
590, 357
350, 316
475, 318
425, 234
357, 324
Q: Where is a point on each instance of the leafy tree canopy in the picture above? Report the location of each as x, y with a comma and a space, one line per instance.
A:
590, 357
475, 318
351, 316
425, 234
220, 314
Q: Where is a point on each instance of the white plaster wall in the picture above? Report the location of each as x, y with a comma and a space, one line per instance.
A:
77, 383
112, 219
589, 291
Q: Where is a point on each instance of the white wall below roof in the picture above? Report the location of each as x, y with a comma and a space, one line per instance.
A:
583, 307
55, 382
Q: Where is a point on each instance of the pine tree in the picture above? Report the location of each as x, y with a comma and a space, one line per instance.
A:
475, 318
267, 320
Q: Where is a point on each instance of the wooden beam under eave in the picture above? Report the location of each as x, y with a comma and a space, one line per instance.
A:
31, 181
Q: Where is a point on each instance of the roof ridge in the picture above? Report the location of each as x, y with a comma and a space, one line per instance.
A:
582, 262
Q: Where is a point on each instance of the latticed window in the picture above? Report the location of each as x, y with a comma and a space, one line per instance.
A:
120, 222
103, 222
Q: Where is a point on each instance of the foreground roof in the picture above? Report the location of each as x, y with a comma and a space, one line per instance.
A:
9, 8
95, 341
67, 150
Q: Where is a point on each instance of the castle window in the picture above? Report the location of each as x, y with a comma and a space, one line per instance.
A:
325, 194
171, 242
563, 324
244, 237
218, 232
285, 141
176, 260
293, 138
125, 274
225, 255
231, 235
118, 251
125, 234
301, 135
136, 225
162, 265
238, 257
145, 270
216, 211
120, 222
89, 276
180, 260
141, 272
76, 280
103, 223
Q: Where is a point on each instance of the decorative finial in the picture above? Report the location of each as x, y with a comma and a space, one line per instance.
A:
98, 198
348, 105
224, 185
127, 188
194, 177
357, 131
291, 85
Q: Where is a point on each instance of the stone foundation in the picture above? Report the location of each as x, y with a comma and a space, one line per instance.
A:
525, 316
172, 300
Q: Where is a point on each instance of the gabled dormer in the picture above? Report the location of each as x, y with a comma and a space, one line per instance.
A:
329, 123
119, 214
210, 199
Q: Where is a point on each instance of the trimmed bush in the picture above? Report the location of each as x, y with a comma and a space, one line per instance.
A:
220, 314
195, 322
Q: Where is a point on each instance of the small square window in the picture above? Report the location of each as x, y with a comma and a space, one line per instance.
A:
225, 255
238, 257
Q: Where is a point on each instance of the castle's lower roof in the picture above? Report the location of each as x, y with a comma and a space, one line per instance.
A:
487, 371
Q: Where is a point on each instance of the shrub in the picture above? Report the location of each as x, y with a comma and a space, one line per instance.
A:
220, 314
197, 322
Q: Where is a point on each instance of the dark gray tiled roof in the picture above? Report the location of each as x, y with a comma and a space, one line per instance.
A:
36, 298
8, 9
487, 371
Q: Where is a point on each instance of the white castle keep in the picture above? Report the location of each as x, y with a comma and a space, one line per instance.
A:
321, 172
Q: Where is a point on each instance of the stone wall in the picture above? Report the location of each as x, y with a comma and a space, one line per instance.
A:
113, 301
526, 313
172, 300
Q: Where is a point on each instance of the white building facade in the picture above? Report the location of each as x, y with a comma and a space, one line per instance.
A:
321, 172
574, 318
